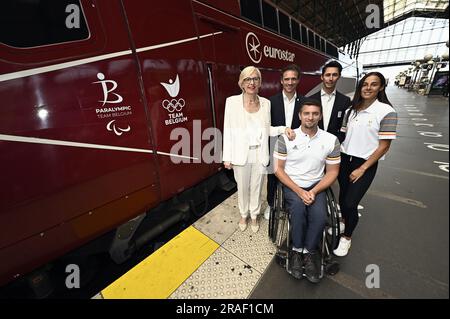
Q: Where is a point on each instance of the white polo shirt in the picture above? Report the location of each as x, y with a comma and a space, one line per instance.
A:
365, 128
306, 157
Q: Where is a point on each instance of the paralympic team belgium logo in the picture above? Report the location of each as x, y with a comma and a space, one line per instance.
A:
174, 106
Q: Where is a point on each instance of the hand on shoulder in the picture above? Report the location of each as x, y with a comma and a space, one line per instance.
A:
290, 133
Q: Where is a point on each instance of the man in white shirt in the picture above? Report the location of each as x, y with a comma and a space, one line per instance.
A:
333, 102
307, 166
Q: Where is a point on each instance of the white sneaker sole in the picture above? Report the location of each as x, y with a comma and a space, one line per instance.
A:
341, 252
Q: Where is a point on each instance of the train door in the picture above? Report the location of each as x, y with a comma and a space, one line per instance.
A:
175, 84
221, 53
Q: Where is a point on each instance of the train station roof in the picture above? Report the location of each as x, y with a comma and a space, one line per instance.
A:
344, 21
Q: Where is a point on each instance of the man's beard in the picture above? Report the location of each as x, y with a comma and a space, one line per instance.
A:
310, 126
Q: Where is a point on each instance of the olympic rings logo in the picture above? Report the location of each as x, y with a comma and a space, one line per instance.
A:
173, 105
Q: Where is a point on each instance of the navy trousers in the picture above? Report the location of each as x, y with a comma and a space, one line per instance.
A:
307, 222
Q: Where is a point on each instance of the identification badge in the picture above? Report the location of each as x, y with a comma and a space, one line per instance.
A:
339, 114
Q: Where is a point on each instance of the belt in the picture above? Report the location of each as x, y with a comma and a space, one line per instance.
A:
351, 157
253, 147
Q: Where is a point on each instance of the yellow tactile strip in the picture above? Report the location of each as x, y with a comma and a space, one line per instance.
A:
233, 270
160, 274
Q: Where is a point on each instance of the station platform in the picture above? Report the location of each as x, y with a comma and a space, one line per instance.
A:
403, 232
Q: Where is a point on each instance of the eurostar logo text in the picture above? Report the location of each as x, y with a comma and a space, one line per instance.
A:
255, 50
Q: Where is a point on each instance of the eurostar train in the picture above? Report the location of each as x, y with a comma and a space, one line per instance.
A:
95, 95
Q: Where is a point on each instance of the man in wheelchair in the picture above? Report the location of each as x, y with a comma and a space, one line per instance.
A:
307, 166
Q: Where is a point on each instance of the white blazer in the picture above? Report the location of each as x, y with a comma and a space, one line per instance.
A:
235, 145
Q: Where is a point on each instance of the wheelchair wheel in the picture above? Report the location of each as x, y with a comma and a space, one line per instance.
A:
275, 214
281, 256
333, 220
279, 228
281, 239
332, 268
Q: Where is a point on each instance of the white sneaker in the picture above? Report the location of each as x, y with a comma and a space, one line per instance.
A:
341, 229
344, 246
267, 213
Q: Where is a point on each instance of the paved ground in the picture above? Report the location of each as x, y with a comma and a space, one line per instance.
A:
404, 228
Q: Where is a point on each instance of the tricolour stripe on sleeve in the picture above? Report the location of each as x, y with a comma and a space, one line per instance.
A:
388, 126
333, 161
335, 156
279, 156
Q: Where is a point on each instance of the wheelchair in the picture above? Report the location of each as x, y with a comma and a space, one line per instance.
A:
279, 232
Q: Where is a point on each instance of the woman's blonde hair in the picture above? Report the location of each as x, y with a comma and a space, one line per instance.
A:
246, 72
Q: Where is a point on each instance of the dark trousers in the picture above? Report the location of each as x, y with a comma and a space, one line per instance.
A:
272, 181
350, 194
307, 222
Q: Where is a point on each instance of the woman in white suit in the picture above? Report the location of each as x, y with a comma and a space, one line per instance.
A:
245, 143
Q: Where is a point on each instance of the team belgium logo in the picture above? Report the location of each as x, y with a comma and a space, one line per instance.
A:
173, 88
174, 106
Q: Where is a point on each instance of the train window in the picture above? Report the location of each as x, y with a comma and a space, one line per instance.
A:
311, 38
295, 30
270, 16
335, 52
332, 50
25, 23
322, 45
251, 10
304, 35
316, 42
285, 28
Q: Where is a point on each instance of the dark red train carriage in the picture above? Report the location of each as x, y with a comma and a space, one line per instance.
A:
91, 91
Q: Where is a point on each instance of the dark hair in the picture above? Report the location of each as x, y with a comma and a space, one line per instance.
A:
309, 101
332, 64
358, 100
291, 67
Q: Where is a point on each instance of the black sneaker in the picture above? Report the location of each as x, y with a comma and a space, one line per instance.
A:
295, 264
312, 266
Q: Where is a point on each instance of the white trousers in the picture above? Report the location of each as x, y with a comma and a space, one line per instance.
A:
249, 179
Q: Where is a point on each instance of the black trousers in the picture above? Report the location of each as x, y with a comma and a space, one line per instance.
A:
350, 194
271, 188
272, 180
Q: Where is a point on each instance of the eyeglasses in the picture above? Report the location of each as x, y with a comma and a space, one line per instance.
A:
249, 80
